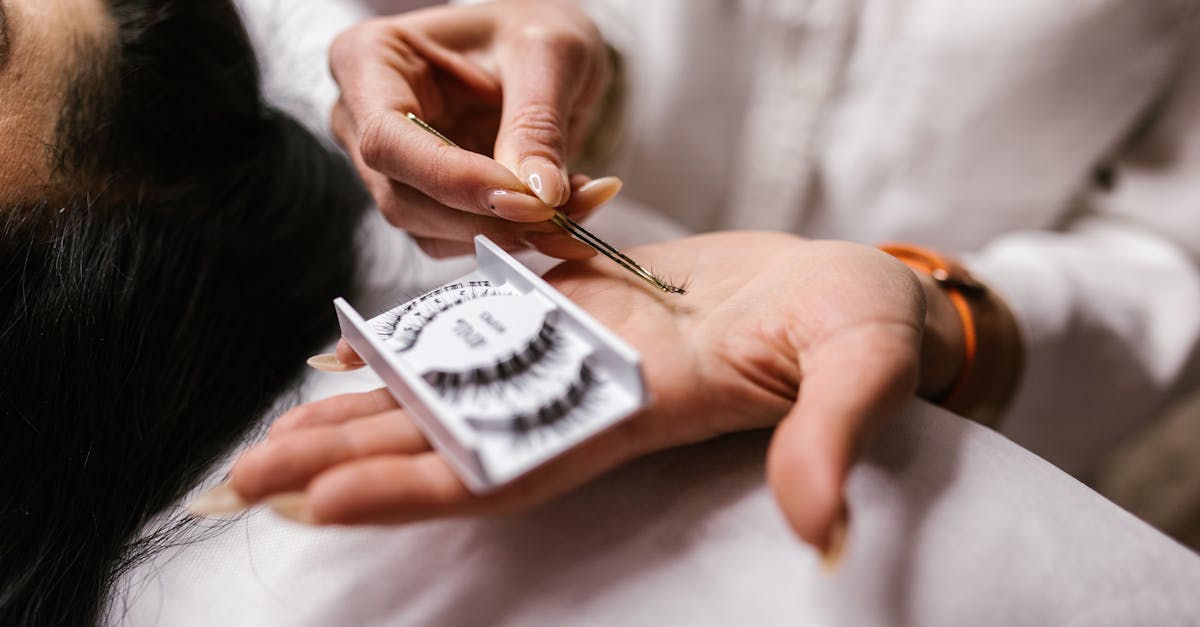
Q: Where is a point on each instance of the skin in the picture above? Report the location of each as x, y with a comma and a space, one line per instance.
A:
520, 81
43, 38
821, 340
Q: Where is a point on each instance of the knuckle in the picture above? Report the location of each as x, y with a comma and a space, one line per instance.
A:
434, 174
339, 123
346, 49
294, 417
541, 124
341, 51
564, 45
373, 141
250, 476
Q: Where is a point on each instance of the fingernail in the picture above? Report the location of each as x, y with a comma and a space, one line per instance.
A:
293, 506
328, 362
546, 180
599, 191
219, 501
835, 547
559, 245
516, 206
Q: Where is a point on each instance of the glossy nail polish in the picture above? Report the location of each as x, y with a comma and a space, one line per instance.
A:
328, 362
516, 206
596, 192
548, 182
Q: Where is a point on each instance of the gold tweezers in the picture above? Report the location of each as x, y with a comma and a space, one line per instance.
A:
578, 232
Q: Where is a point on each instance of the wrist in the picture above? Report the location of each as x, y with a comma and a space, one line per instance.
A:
942, 345
972, 354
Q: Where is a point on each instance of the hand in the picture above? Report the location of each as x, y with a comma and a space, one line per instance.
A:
518, 79
822, 339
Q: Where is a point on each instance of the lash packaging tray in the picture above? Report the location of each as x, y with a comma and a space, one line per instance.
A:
500, 371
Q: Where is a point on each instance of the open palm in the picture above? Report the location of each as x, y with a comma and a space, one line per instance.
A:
820, 338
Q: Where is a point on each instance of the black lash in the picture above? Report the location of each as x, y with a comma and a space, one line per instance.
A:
553, 413
505, 370
389, 327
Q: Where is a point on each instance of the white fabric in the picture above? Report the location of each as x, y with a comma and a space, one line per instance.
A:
951, 524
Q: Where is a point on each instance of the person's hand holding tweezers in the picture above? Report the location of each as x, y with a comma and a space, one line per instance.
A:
518, 80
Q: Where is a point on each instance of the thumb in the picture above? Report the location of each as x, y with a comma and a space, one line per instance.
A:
540, 88
851, 381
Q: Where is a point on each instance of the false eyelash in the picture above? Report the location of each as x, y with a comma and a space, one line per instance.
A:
402, 326
683, 286
555, 413
542, 350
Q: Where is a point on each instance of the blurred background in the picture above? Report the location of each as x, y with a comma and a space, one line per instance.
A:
1157, 475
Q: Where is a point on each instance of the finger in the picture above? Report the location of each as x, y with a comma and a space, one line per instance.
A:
287, 463
391, 489
344, 359
850, 382
589, 194
346, 354
442, 232
444, 248
436, 229
408, 208
559, 246
381, 69
399, 489
334, 410
402, 151
543, 79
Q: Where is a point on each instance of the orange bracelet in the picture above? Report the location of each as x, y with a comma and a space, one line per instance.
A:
992, 352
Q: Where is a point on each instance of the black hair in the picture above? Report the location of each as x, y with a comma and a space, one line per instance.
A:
156, 299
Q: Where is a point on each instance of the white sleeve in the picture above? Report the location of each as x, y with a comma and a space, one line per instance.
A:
292, 40
1110, 306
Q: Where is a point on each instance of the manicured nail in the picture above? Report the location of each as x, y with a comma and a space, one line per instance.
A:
546, 180
516, 206
329, 362
598, 191
293, 506
219, 501
559, 245
831, 557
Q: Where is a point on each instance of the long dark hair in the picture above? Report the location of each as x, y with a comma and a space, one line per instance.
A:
156, 299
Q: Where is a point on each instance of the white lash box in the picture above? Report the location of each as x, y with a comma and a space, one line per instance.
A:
500, 371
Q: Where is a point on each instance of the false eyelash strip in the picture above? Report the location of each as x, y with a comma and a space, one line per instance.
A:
549, 414
545, 347
403, 325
